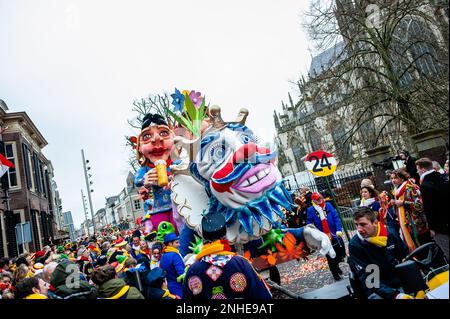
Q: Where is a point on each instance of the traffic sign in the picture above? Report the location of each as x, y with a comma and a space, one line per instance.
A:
320, 163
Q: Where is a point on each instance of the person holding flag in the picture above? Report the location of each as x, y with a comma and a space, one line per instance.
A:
325, 218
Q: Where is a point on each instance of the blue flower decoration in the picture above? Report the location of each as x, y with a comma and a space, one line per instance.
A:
178, 100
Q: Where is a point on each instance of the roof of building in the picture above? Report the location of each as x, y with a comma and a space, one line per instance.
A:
27, 123
328, 58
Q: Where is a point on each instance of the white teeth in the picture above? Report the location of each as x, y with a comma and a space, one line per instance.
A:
253, 179
245, 183
261, 174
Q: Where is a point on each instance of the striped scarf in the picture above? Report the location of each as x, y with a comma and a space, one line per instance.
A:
403, 217
320, 209
381, 237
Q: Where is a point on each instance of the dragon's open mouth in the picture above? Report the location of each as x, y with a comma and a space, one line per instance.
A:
257, 179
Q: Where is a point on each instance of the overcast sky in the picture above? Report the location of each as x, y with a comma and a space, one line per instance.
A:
76, 66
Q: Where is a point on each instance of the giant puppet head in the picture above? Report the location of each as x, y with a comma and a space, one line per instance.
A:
235, 177
155, 142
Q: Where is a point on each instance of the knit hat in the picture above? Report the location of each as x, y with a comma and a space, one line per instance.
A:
367, 183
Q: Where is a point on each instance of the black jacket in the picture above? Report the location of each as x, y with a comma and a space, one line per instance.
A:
411, 168
362, 257
434, 190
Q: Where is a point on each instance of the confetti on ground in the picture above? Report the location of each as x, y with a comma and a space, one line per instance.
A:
306, 275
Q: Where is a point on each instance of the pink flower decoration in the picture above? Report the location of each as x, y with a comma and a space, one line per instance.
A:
196, 98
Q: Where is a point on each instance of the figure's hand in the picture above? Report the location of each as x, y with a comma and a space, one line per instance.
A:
180, 279
403, 296
151, 178
316, 239
432, 233
339, 233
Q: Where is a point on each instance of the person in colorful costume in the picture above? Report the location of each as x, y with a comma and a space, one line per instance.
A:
156, 251
325, 218
155, 143
172, 262
219, 273
375, 245
136, 249
411, 216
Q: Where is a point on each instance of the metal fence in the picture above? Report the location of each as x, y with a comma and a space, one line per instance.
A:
347, 220
345, 188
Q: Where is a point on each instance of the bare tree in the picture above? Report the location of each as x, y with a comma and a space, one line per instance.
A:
391, 69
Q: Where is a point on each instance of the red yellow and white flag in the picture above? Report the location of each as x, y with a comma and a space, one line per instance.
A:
5, 164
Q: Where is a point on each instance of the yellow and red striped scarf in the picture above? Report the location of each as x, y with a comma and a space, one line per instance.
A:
402, 218
380, 239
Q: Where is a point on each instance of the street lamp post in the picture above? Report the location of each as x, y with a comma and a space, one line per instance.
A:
88, 188
83, 198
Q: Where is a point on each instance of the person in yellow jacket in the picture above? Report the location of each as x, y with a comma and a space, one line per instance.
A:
31, 288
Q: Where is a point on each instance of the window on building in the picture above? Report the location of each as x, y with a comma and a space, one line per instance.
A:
26, 165
43, 174
299, 152
36, 173
343, 147
137, 204
315, 140
422, 50
12, 172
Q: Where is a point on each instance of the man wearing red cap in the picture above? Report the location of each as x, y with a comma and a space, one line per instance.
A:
323, 215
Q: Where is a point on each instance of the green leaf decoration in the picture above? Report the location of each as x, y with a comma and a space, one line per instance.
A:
180, 119
190, 108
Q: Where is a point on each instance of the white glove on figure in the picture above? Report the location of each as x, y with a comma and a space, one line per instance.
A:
315, 239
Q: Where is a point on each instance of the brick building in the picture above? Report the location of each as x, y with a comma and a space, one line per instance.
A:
26, 189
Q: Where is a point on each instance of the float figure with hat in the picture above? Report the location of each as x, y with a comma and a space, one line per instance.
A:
224, 170
155, 148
